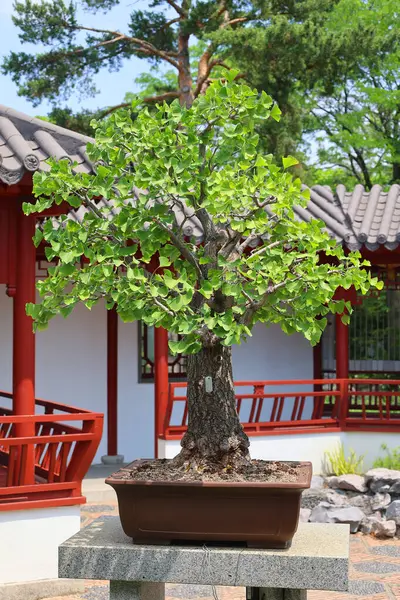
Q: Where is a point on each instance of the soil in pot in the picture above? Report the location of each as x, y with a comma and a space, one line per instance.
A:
257, 504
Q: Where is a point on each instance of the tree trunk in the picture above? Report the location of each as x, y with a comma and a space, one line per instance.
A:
215, 438
184, 75
395, 173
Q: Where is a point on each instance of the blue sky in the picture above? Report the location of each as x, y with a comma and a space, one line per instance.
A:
112, 86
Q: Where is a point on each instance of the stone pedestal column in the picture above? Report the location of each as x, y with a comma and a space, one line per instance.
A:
132, 590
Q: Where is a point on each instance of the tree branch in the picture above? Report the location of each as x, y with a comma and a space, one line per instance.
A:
265, 248
235, 21
144, 46
247, 241
182, 247
178, 8
171, 22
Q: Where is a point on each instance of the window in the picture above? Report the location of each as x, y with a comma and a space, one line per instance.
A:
176, 364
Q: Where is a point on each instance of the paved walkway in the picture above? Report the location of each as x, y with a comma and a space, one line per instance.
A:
374, 572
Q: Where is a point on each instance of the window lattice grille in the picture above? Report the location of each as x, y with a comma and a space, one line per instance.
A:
176, 364
374, 330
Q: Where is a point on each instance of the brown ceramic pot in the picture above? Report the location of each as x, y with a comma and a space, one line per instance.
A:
262, 515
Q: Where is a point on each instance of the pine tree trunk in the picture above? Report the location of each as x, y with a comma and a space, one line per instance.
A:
184, 75
215, 438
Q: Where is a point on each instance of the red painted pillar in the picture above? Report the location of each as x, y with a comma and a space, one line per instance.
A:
342, 366
24, 340
160, 382
317, 361
112, 382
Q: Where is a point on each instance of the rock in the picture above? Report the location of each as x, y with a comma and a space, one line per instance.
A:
338, 499
305, 514
395, 489
361, 501
312, 497
380, 501
382, 480
368, 522
317, 482
393, 512
352, 483
384, 529
326, 513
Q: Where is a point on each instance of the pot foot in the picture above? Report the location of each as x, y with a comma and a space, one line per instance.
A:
269, 545
150, 542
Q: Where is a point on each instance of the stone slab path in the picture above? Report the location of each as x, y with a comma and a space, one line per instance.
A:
374, 572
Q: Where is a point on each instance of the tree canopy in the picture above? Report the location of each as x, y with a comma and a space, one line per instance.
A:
283, 48
215, 214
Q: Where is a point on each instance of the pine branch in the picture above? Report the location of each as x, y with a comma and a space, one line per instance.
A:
145, 47
235, 21
178, 8
171, 22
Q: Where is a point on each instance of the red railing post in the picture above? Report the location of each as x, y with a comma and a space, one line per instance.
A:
343, 403
85, 451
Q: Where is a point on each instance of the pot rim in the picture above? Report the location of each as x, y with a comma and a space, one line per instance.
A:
284, 485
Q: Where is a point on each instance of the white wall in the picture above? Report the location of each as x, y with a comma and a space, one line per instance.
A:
30, 540
271, 354
135, 400
369, 444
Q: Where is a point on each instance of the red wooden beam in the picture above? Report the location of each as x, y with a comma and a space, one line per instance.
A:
160, 383
112, 382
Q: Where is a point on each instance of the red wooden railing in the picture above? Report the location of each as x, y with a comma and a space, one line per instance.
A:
301, 406
63, 447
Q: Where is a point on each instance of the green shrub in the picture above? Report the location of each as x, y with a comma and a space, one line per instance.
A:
338, 464
391, 460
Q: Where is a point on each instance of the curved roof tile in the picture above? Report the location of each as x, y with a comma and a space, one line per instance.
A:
26, 143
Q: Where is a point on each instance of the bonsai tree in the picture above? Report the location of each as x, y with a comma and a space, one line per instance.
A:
186, 225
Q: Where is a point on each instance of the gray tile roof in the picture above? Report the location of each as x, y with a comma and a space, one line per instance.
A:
26, 143
360, 218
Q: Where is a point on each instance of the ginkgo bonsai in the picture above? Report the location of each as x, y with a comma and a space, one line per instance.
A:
189, 187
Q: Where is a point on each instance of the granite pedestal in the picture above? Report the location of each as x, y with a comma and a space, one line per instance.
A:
317, 560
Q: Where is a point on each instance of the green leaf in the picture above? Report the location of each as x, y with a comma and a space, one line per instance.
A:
345, 319
276, 112
169, 281
289, 161
206, 289
164, 261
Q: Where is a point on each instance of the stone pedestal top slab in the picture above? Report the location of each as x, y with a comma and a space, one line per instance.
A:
318, 559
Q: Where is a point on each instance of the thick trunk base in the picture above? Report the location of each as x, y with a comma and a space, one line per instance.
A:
215, 439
